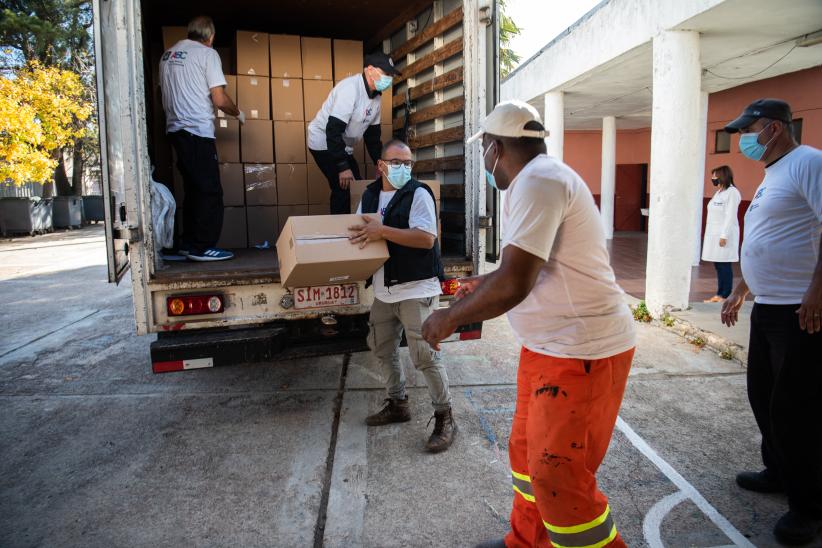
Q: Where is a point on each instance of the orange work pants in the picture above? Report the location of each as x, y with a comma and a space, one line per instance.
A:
564, 418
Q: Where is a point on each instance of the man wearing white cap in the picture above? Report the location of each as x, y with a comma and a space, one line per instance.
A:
577, 334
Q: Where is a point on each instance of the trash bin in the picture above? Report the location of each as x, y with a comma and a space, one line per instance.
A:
25, 216
93, 209
68, 211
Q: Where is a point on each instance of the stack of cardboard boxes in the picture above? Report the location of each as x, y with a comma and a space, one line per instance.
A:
266, 171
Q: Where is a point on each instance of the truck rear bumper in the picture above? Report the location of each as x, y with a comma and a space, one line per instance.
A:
184, 350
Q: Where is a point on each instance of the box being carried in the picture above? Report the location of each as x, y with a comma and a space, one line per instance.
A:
316, 251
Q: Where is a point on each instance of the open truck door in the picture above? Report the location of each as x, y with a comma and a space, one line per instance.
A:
120, 105
493, 201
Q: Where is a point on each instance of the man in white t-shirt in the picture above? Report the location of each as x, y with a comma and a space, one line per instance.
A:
406, 288
577, 334
350, 114
782, 267
193, 84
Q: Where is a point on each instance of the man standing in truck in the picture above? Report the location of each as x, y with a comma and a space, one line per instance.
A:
350, 113
406, 288
193, 85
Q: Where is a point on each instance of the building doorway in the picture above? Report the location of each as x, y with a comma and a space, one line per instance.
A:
630, 197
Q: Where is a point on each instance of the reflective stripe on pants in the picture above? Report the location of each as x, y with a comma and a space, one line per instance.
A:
565, 415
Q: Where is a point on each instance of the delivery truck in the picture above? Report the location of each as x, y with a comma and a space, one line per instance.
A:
216, 313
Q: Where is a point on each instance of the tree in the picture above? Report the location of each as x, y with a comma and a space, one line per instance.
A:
55, 33
508, 59
42, 111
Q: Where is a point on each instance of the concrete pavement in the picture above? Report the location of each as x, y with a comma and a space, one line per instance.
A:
95, 450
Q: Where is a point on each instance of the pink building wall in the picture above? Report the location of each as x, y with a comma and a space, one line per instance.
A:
802, 90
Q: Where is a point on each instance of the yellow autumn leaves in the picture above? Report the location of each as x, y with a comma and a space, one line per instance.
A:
42, 110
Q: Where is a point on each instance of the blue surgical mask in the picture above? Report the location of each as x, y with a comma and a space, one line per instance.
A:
750, 147
398, 175
489, 175
383, 83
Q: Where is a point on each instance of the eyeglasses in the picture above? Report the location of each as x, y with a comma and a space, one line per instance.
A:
397, 163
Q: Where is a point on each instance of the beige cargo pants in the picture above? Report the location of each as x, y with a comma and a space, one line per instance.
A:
387, 322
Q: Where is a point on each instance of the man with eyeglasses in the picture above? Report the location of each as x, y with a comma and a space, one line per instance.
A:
351, 113
406, 288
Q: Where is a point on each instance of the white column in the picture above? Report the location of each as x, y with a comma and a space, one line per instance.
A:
675, 169
608, 177
700, 187
555, 123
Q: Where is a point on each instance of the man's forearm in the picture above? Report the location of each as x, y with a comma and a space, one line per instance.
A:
408, 237
489, 300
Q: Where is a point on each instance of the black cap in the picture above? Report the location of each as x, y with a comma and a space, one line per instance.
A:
761, 108
381, 61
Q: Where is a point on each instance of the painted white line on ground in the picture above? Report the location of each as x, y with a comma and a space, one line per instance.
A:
345, 516
652, 524
687, 489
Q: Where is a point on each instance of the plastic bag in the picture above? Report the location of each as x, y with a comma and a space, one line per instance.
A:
163, 208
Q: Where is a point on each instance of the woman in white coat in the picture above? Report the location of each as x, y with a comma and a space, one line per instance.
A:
721, 244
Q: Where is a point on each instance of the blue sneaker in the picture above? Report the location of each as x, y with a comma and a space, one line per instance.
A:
211, 254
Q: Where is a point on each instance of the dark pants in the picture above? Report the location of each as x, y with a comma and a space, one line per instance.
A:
725, 279
203, 204
785, 391
340, 199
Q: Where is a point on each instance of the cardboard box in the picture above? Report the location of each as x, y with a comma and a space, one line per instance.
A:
262, 225
386, 132
258, 142
254, 97
386, 108
260, 182
284, 212
318, 190
315, 92
316, 251
226, 59
316, 54
292, 184
286, 99
231, 91
347, 58
231, 178
286, 57
252, 53
319, 209
172, 35
289, 142
227, 132
233, 235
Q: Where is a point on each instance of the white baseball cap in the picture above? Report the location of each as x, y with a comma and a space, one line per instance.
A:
508, 119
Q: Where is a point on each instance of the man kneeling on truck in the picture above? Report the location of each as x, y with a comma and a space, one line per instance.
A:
406, 288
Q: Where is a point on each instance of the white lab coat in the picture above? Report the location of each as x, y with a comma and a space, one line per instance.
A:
722, 222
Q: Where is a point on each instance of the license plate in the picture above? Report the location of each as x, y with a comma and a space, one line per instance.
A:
325, 295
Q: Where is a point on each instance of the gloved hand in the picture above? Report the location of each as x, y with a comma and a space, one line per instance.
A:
241, 117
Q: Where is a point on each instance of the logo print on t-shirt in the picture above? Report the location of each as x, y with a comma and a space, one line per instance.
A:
368, 111
382, 211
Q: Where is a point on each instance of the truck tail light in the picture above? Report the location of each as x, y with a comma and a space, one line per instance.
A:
450, 286
191, 305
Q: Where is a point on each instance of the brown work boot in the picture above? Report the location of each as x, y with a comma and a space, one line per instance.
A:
393, 411
445, 429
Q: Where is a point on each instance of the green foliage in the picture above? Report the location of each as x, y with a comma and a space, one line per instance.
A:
727, 354
641, 313
52, 32
699, 342
668, 320
508, 59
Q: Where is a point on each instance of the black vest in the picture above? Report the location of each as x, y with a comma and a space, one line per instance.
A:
404, 264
